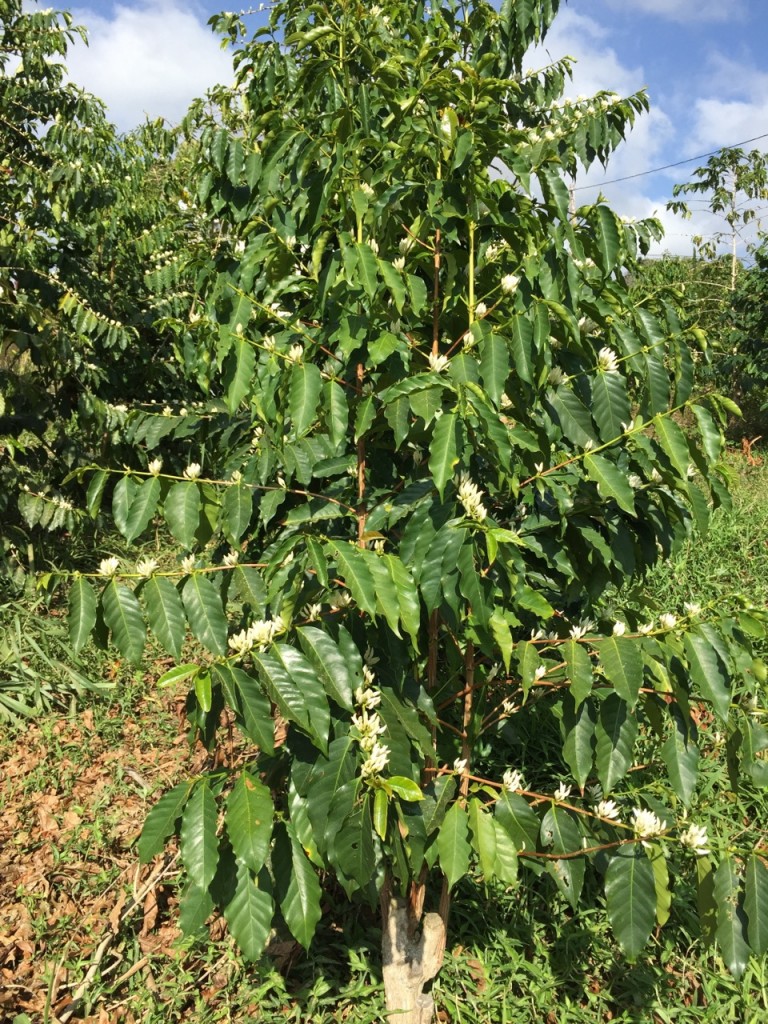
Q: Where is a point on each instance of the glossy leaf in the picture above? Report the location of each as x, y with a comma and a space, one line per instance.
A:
249, 820
165, 613
732, 923
453, 844
202, 603
161, 821
123, 616
82, 612
630, 895
198, 843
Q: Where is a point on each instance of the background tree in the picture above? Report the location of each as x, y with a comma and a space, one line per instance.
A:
90, 230
437, 442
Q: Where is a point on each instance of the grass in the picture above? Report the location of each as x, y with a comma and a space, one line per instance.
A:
81, 772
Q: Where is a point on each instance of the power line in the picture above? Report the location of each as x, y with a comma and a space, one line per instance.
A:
678, 163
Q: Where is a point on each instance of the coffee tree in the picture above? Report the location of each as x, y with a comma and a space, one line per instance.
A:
441, 446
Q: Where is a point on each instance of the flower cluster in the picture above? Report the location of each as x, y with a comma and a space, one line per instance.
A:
369, 727
109, 566
512, 781
696, 839
438, 362
647, 824
259, 634
607, 360
470, 496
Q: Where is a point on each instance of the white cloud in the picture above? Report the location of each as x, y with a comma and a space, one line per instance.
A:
149, 60
686, 10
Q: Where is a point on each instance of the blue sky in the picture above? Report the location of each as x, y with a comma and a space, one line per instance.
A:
704, 62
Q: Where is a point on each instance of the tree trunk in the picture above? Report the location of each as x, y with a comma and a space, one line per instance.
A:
412, 954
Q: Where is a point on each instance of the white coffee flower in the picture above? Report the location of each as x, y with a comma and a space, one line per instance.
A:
696, 839
240, 642
231, 558
399, 263
146, 566
262, 632
188, 563
109, 566
634, 481
470, 496
193, 471
480, 310
366, 188
167, 411
155, 466
646, 628
513, 781
341, 599
405, 245
619, 628
438, 362
368, 698
646, 824
556, 376
296, 354
370, 728
608, 809
459, 765
377, 761
692, 608
667, 620
607, 360
562, 792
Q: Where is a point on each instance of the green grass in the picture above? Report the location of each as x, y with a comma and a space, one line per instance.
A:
81, 772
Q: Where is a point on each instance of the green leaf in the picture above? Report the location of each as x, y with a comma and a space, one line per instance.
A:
195, 907
182, 512
253, 710
661, 883
121, 501
622, 662
453, 845
249, 820
299, 891
239, 370
616, 731
407, 596
123, 616
82, 612
611, 482
198, 844
579, 746
165, 613
330, 665
202, 603
630, 895
559, 830
578, 669
178, 674
95, 492
351, 847
143, 505
515, 815
574, 418
282, 690
304, 396
482, 825
249, 915
505, 868
681, 756
236, 511
387, 602
161, 821
732, 925
353, 566
248, 585
405, 788
674, 443
756, 903
444, 449
528, 662
494, 366
608, 237
708, 673
610, 404
304, 679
